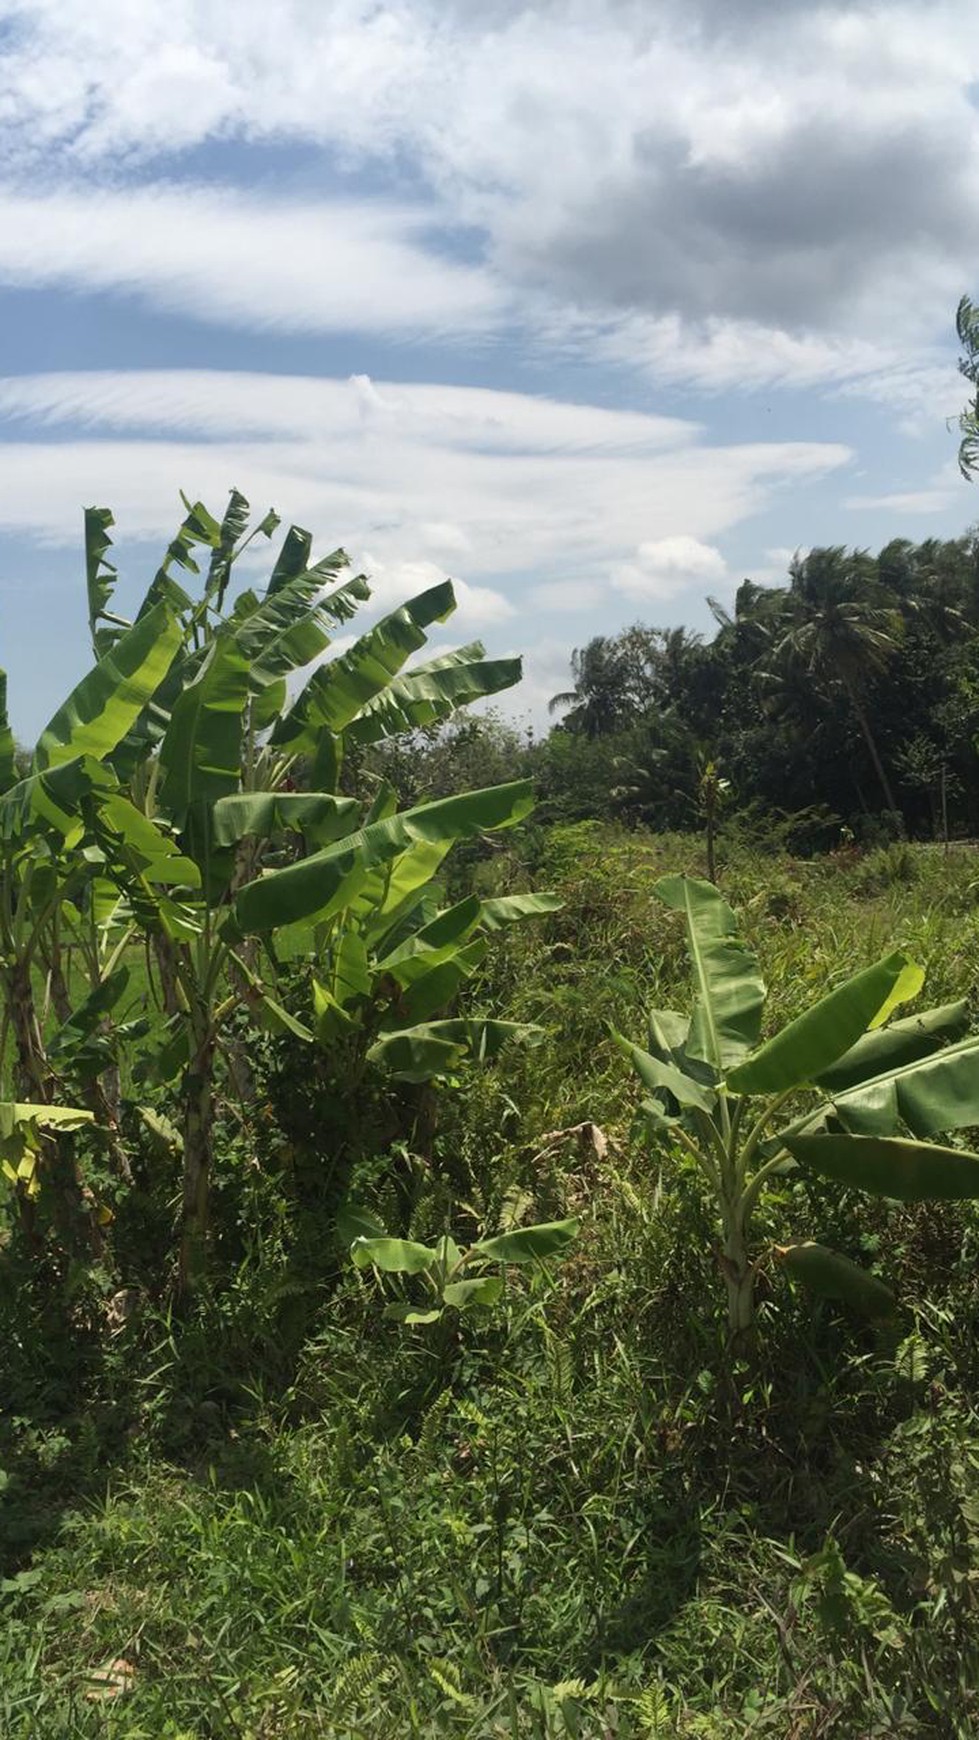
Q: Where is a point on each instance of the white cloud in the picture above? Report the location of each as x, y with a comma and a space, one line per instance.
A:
555, 509
477, 607
202, 402
665, 566
907, 501
545, 673
773, 570
932, 495
684, 188
378, 469
248, 260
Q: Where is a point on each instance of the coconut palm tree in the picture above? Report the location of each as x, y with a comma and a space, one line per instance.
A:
603, 698
839, 628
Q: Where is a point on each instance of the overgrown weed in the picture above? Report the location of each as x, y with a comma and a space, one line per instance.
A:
576, 1518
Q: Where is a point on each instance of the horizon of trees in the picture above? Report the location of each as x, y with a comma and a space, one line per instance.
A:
852, 689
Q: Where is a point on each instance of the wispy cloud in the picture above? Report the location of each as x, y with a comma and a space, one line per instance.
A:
383, 463
299, 407
555, 508
248, 260
683, 188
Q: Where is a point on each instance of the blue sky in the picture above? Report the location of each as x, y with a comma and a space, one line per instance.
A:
595, 307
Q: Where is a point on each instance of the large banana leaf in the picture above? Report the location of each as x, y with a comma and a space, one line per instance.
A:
730, 991
100, 580
352, 978
891, 1166
200, 754
339, 604
51, 799
529, 1244
148, 851
331, 879
668, 1033
510, 908
344, 601
832, 1276
233, 527
893, 1046
294, 556
143, 861
426, 697
439, 1047
109, 700
291, 627
337, 691
13, 1113
940, 1092
441, 936
453, 927
8, 771
86, 1043
810, 1044
663, 1077
393, 892
432, 990
197, 527
318, 815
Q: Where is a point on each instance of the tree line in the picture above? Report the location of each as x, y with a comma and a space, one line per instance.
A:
848, 696
850, 693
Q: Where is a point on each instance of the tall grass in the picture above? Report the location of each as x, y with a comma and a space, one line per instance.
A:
573, 1518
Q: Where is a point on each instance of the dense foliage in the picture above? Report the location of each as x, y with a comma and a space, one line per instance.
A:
848, 697
571, 1516
364, 1373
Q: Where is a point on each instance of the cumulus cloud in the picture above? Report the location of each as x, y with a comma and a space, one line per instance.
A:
477, 607
796, 186
664, 566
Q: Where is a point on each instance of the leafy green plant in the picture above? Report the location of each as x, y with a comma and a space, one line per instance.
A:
453, 1279
168, 805
876, 1088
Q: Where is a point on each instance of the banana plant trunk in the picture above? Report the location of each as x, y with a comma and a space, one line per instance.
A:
32, 1074
739, 1277
77, 1227
198, 1098
166, 961
57, 982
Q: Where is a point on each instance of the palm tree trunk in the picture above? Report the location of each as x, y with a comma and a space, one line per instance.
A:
874, 753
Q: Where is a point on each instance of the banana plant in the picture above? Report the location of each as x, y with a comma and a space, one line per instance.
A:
843, 1091
44, 875
222, 826
451, 1279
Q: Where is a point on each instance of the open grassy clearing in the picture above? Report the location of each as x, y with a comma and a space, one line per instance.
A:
574, 1517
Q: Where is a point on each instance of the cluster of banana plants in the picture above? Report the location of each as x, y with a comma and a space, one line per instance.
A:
843, 1091
188, 800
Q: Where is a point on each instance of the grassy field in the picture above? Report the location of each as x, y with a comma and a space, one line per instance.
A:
577, 1516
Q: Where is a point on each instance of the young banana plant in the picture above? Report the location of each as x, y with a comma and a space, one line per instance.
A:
450, 1278
842, 1090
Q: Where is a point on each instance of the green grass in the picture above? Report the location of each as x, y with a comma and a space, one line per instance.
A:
574, 1517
